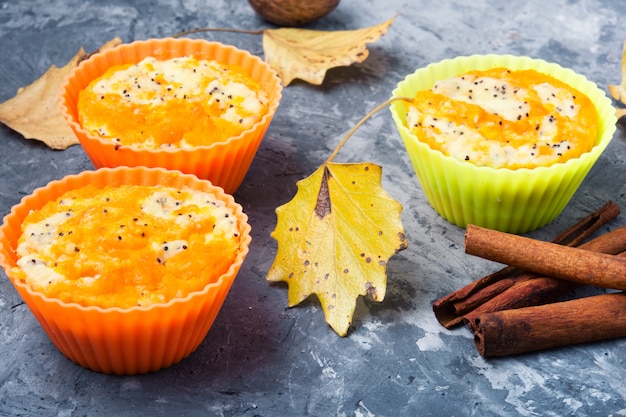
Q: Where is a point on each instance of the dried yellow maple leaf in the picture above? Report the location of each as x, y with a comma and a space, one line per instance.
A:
308, 54
34, 111
618, 92
335, 238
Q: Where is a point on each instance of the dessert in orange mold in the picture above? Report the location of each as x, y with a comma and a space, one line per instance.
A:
176, 102
128, 245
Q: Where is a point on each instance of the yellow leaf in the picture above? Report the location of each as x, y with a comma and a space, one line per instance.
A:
308, 54
34, 111
335, 238
618, 92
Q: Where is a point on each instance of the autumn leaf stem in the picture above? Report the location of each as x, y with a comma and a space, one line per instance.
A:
363, 120
246, 32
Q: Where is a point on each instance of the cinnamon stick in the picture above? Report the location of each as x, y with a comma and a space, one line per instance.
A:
588, 225
532, 289
527, 329
450, 309
530, 292
571, 264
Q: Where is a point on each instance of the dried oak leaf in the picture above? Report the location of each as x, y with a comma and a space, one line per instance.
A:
34, 111
335, 238
618, 92
308, 54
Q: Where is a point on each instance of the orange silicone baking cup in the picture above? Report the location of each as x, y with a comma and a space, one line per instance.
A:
223, 163
133, 340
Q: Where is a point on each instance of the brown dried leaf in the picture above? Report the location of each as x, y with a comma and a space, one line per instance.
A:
34, 111
308, 54
618, 92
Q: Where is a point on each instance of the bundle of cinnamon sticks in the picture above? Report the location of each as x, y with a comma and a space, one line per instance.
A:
517, 309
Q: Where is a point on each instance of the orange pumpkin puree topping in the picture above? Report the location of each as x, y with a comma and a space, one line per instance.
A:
505, 119
180, 102
127, 245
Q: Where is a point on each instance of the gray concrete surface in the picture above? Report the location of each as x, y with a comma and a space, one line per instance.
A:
262, 358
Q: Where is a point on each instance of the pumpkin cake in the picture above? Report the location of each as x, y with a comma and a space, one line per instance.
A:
128, 245
501, 141
176, 102
505, 118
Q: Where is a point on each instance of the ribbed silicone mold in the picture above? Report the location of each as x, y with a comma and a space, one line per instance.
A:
515, 201
224, 163
133, 340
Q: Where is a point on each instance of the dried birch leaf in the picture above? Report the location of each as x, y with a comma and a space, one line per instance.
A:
34, 111
335, 237
618, 92
308, 54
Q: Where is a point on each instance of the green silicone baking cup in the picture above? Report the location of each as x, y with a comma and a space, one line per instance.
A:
514, 201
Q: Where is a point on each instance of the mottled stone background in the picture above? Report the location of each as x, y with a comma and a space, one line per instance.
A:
262, 358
